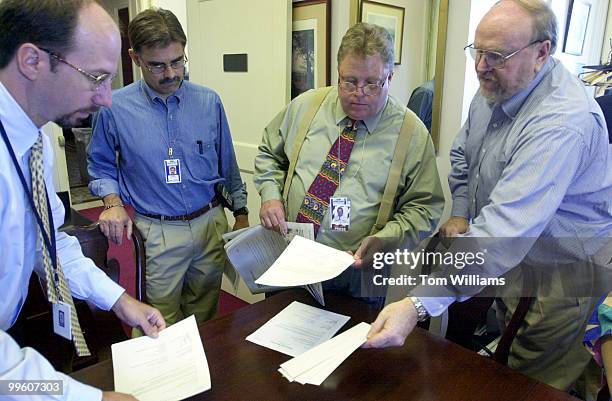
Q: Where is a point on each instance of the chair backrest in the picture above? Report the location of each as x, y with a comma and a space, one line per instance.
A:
95, 246
141, 264
605, 102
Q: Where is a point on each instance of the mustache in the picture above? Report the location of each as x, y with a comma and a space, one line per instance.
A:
488, 76
166, 81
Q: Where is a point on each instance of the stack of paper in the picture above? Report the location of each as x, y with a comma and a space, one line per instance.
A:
253, 250
170, 367
305, 262
298, 328
315, 365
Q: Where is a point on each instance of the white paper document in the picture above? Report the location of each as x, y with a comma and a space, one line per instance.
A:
298, 328
305, 262
256, 248
315, 365
171, 367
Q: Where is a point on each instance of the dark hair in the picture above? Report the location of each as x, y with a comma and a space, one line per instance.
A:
155, 27
45, 23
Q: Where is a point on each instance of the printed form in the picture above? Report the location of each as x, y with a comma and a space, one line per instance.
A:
298, 328
168, 368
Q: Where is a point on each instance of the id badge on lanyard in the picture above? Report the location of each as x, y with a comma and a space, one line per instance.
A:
340, 213
172, 170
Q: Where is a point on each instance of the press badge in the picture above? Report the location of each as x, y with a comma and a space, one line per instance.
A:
62, 324
173, 171
340, 213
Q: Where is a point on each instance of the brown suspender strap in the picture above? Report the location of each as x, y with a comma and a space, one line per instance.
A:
503, 347
305, 123
395, 172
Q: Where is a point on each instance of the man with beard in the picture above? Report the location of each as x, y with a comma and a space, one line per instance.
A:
173, 149
532, 162
57, 59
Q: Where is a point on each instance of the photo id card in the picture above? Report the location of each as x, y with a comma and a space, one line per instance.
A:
62, 324
340, 213
172, 168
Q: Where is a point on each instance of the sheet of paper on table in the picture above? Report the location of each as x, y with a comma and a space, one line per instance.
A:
316, 364
171, 367
298, 328
305, 262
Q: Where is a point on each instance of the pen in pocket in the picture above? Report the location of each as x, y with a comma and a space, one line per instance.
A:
200, 148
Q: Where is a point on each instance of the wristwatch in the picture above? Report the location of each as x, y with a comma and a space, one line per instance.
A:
243, 211
422, 313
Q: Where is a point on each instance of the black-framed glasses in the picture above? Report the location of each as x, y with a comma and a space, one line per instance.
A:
494, 59
162, 67
368, 89
96, 80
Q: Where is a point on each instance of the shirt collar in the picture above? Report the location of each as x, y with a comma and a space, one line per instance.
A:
20, 129
152, 95
512, 106
370, 123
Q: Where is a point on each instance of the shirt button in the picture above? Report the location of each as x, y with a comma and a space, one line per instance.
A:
494, 125
483, 150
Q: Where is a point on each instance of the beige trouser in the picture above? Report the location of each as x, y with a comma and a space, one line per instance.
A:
184, 264
548, 346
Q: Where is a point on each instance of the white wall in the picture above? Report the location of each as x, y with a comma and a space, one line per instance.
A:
455, 74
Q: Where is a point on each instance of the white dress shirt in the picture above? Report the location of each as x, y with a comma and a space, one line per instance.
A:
20, 254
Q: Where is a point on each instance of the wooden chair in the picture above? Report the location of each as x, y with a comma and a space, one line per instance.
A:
100, 328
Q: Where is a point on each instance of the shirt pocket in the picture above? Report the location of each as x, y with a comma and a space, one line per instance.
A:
206, 162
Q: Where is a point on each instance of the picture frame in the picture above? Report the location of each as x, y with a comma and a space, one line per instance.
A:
578, 13
311, 45
389, 17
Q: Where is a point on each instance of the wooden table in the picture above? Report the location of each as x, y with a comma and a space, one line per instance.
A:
425, 368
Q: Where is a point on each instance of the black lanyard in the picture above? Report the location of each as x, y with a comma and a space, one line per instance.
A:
49, 241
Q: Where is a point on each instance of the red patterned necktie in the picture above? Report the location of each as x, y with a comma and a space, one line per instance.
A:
326, 182
39, 193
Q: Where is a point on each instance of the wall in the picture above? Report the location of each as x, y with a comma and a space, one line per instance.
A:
412, 71
456, 72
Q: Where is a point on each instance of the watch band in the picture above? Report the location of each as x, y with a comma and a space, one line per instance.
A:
106, 207
243, 211
422, 313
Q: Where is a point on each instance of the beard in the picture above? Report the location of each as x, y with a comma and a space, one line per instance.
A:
71, 120
502, 91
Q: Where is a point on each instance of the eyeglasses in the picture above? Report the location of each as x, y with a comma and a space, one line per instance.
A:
96, 80
492, 58
162, 67
368, 89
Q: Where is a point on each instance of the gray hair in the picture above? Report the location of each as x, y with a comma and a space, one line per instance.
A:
367, 40
544, 21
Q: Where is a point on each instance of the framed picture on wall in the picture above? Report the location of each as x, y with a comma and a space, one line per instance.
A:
575, 29
389, 17
310, 50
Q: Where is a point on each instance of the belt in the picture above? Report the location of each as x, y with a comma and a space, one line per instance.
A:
185, 217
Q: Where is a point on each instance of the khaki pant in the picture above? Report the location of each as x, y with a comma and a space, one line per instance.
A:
184, 264
548, 346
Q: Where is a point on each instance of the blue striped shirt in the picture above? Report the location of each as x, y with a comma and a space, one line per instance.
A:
538, 165
141, 127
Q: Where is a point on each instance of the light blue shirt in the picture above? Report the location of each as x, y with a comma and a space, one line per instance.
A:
20, 253
538, 165
141, 127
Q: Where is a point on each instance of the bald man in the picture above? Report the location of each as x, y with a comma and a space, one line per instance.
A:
57, 59
531, 163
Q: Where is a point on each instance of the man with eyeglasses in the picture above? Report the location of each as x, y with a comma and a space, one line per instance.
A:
531, 163
56, 61
345, 159
164, 147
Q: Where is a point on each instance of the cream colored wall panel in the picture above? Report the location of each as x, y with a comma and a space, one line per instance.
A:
261, 30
